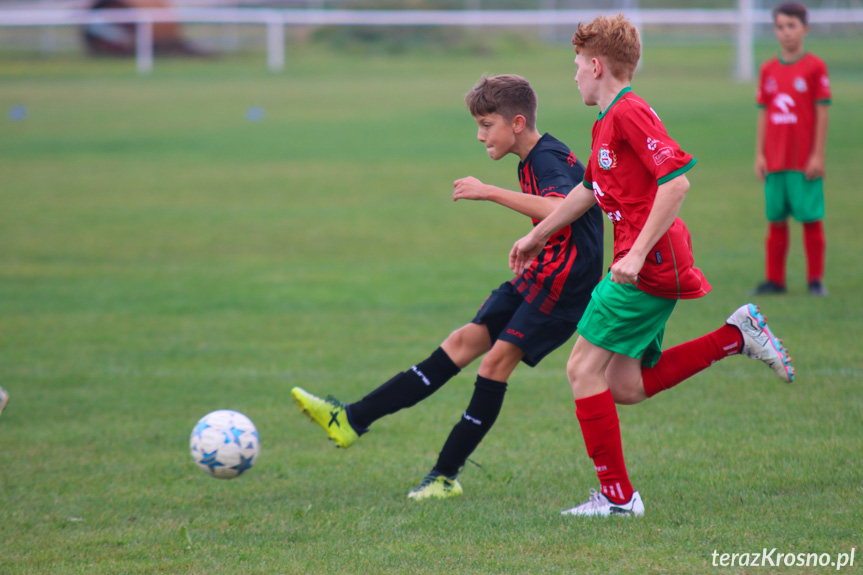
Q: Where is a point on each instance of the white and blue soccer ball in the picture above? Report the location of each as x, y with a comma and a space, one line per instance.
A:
225, 444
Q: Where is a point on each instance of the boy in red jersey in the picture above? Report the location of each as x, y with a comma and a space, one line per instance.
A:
790, 143
636, 174
523, 320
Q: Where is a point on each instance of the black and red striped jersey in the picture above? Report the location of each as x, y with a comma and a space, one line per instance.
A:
561, 278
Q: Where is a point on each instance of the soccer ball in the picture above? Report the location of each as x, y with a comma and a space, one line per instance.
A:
225, 443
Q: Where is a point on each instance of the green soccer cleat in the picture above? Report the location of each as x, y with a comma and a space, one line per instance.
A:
436, 485
329, 413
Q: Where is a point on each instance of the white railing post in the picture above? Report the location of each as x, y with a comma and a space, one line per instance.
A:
144, 46
744, 70
275, 43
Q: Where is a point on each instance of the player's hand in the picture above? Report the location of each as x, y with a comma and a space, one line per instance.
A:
814, 168
626, 269
761, 167
468, 188
523, 252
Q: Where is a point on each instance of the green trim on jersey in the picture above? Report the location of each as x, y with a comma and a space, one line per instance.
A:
823, 102
616, 98
784, 63
676, 173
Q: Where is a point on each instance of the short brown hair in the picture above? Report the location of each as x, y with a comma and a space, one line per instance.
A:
613, 38
508, 95
793, 9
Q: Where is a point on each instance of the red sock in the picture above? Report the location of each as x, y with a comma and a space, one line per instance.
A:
597, 416
685, 360
815, 244
776, 246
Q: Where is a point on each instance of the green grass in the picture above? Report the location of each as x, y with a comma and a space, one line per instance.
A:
162, 257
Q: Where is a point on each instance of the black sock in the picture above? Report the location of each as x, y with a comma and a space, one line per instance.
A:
480, 415
404, 390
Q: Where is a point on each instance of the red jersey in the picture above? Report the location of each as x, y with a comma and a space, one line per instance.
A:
789, 93
631, 155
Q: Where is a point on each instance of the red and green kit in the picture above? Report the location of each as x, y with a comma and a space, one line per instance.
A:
631, 156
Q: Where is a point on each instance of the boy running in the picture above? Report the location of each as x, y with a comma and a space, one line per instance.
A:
637, 174
790, 145
523, 320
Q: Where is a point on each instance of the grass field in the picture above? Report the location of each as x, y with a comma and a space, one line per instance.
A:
161, 257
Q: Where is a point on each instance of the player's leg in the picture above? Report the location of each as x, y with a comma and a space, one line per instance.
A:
681, 362
816, 247
619, 321
745, 332
807, 203
776, 243
345, 423
528, 336
475, 422
408, 388
597, 417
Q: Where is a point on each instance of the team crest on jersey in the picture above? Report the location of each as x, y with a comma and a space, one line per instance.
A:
799, 84
770, 85
607, 159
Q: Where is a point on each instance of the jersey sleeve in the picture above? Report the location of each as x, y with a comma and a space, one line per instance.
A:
660, 155
588, 174
554, 178
761, 98
823, 94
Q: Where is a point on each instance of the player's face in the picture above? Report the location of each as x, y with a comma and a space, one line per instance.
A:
587, 84
790, 32
496, 133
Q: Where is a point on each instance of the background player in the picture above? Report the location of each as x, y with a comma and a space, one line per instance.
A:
790, 145
522, 320
636, 173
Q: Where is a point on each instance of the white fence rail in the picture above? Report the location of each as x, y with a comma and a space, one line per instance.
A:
743, 20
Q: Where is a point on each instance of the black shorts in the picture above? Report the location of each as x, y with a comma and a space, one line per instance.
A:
509, 318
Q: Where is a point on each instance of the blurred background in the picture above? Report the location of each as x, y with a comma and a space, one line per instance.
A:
213, 28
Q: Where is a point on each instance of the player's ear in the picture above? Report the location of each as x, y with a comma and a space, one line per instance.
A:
518, 124
598, 67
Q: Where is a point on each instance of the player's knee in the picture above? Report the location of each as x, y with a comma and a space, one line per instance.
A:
628, 395
575, 373
466, 344
455, 340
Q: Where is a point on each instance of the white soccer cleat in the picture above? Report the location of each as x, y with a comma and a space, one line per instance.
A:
760, 343
601, 506
4, 397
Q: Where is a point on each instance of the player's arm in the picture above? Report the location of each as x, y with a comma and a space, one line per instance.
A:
815, 167
576, 203
666, 205
760, 158
536, 207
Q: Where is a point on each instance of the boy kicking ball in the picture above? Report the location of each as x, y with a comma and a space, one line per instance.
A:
523, 320
636, 174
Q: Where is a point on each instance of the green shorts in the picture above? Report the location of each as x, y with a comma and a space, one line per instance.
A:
791, 194
624, 319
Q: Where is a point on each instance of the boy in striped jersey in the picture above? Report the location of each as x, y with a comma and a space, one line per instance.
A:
523, 320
